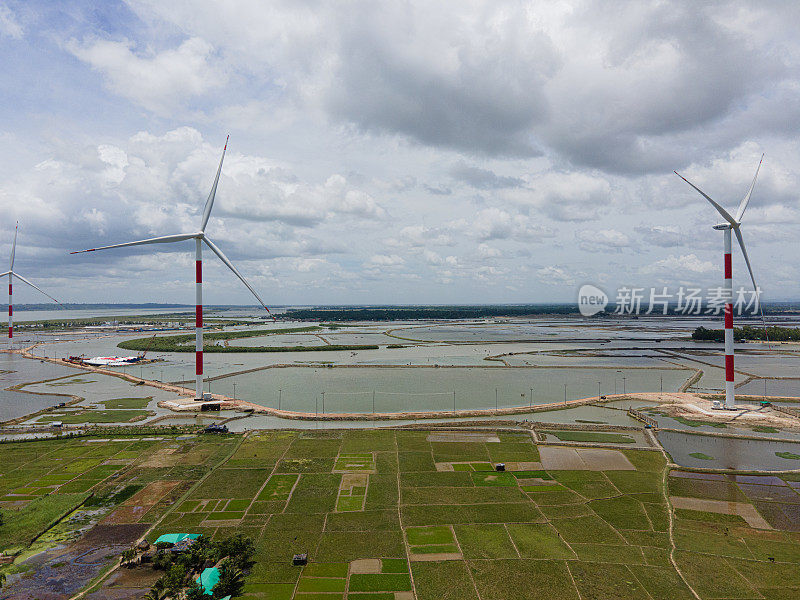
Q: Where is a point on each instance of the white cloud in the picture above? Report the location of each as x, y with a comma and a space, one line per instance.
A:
553, 275
158, 81
498, 224
609, 240
680, 265
487, 251
463, 137
385, 260
9, 25
660, 235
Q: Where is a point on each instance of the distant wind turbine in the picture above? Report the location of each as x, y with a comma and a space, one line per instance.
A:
732, 224
199, 237
11, 274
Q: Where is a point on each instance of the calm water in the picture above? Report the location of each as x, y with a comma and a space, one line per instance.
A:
398, 390
728, 453
15, 370
564, 350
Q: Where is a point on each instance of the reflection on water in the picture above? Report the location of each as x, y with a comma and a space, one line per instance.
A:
728, 453
771, 387
344, 389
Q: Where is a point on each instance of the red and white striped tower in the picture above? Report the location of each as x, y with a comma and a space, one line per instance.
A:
10, 313
732, 225
198, 319
10, 290
11, 274
730, 400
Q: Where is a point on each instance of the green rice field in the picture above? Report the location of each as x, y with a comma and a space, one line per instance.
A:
401, 514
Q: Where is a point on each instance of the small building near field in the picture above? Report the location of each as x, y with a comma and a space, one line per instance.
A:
174, 538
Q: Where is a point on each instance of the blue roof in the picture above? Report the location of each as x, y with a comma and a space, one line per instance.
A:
208, 579
174, 538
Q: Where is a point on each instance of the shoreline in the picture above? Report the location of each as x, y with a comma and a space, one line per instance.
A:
680, 403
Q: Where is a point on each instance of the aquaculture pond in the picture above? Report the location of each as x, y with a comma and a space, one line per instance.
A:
720, 452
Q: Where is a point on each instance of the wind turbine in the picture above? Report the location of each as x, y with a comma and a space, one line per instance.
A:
199, 237
732, 224
11, 274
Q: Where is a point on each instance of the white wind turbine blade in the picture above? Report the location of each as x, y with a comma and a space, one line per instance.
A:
224, 259
746, 199
739, 237
210, 202
21, 278
744, 253
720, 210
156, 240
4, 274
14, 247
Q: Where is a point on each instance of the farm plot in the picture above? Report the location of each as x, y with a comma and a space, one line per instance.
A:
404, 515
64, 535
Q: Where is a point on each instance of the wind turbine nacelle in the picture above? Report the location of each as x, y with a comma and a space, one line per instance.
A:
722, 226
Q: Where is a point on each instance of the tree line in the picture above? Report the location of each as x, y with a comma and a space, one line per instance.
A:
748, 332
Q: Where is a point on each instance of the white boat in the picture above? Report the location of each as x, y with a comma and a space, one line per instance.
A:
111, 361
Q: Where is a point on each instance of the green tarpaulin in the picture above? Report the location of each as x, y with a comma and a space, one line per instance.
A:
174, 538
209, 578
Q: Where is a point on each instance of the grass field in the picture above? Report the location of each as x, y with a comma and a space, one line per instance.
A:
96, 416
129, 403
379, 521
592, 436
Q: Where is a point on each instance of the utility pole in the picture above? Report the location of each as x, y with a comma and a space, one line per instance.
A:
598, 390
565, 393
454, 401
234, 390
279, 399
373, 402
530, 399
623, 385
661, 390
323, 403
495, 398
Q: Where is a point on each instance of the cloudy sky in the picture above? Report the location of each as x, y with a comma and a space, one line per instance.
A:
397, 152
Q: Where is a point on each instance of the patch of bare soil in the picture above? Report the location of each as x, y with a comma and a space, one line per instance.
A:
126, 514
462, 436
151, 493
165, 457
745, 510
142, 577
693, 406
366, 566
435, 556
135, 507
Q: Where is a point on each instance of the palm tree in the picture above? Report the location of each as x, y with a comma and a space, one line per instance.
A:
158, 591
231, 580
128, 555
